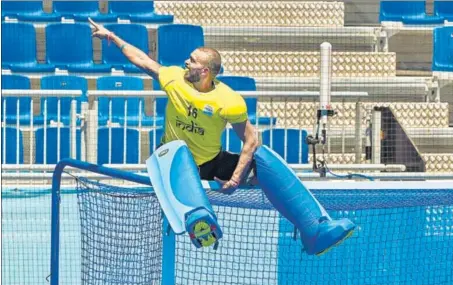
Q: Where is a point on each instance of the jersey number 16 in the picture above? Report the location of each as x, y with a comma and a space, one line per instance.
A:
192, 111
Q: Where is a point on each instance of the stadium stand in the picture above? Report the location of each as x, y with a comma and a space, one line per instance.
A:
134, 105
134, 34
374, 73
62, 82
276, 43
262, 29
288, 143
19, 53
137, 11
112, 149
300, 115
27, 11
81, 11
12, 145
408, 12
440, 163
307, 64
64, 52
50, 150
414, 35
10, 103
255, 13
294, 25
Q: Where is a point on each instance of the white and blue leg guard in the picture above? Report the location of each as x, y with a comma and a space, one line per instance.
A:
176, 182
293, 200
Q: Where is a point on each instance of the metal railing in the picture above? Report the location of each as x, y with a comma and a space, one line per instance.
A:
43, 95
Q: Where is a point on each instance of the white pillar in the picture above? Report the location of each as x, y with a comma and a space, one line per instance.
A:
358, 132
91, 138
376, 137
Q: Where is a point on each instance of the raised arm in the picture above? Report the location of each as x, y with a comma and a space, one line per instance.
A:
133, 54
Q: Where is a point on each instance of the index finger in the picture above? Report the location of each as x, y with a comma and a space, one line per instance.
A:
93, 23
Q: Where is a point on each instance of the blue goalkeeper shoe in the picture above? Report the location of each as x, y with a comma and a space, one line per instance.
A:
331, 233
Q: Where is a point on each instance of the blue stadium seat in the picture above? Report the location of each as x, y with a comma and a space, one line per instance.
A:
52, 144
138, 11
444, 9
443, 49
117, 146
27, 11
19, 48
152, 145
122, 83
135, 34
16, 82
234, 142
12, 146
176, 42
408, 12
243, 83
69, 46
81, 10
295, 142
62, 82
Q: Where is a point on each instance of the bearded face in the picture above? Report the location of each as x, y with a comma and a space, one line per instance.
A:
193, 75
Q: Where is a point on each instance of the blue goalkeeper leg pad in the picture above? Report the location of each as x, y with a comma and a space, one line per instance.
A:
176, 182
293, 200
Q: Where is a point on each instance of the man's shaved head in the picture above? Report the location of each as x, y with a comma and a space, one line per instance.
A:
212, 59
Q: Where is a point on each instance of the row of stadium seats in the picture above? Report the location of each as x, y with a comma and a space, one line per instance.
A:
70, 47
213, 13
290, 114
135, 11
70, 82
414, 12
209, 13
295, 152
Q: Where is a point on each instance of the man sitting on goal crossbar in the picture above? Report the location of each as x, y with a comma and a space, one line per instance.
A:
198, 110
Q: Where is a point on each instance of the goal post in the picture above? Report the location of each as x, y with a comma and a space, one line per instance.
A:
117, 234
55, 212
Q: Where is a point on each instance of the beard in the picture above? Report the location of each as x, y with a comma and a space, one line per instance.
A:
193, 75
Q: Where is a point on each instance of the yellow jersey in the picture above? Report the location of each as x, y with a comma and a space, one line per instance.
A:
198, 118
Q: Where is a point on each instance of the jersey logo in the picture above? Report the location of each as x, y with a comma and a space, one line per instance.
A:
189, 127
208, 110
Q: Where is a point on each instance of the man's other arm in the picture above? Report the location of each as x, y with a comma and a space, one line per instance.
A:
246, 132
